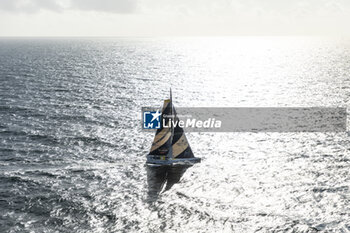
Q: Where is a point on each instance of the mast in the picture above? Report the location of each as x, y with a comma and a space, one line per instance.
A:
170, 154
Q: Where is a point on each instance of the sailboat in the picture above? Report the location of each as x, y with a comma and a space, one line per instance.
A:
170, 145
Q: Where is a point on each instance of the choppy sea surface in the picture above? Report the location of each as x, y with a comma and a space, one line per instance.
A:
72, 152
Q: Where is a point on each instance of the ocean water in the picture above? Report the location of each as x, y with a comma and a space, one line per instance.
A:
72, 152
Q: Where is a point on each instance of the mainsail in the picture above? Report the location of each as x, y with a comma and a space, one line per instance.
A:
163, 139
170, 142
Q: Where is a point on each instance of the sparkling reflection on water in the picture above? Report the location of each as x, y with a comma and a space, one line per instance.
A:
72, 154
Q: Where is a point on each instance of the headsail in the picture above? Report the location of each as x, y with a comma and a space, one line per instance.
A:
180, 146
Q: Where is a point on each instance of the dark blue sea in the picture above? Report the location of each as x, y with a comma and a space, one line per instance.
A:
72, 152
